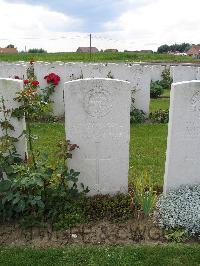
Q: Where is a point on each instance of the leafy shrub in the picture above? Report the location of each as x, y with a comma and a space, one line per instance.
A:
137, 116
180, 208
166, 79
156, 89
46, 194
160, 116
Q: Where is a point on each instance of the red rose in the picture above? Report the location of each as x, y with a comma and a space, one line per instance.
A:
52, 78
26, 81
35, 83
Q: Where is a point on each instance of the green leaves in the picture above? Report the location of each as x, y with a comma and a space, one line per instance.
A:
5, 185
40, 194
18, 112
156, 89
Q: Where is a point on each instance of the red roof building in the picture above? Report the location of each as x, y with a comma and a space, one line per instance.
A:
194, 50
8, 51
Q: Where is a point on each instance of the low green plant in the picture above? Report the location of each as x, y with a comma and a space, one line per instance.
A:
112, 208
177, 235
156, 89
160, 116
137, 116
143, 194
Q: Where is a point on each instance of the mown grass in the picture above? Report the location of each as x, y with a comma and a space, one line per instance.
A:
147, 147
104, 57
160, 103
166, 93
103, 255
147, 152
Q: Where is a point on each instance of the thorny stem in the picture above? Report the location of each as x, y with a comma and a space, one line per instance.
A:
30, 141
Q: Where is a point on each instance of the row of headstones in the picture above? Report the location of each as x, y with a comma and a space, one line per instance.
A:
98, 121
138, 75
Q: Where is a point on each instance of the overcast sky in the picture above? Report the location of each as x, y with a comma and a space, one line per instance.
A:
63, 25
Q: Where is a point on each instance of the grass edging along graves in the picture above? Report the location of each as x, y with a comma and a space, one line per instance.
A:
103, 255
98, 57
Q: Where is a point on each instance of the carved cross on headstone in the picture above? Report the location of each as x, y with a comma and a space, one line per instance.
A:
98, 158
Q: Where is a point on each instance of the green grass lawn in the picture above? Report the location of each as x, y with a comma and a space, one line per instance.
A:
147, 147
98, 57
147, 152
160, 103
166, 93
158, 255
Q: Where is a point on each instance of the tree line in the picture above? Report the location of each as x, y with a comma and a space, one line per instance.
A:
182, 48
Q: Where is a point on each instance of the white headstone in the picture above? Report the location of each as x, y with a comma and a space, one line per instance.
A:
184, 73
8, 90
93, 70
183, 147
156, 72
138, 75
12, 70
98, 120
140, 84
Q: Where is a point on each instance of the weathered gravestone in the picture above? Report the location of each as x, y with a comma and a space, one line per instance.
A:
8, 90
183, 148
138, 75
184, 73
12, 70
98, 120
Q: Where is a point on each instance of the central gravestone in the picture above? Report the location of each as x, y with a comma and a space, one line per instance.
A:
183, 147
98, 120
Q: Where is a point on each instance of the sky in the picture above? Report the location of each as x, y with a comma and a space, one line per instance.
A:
64, 25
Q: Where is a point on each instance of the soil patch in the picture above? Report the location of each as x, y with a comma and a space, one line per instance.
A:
104, 232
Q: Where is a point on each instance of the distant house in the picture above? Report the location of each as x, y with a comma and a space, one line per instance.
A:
87, 50
111, 51
146, 51
8, 51
194, 51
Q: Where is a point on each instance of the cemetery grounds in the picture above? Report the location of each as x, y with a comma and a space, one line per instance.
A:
147, 159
